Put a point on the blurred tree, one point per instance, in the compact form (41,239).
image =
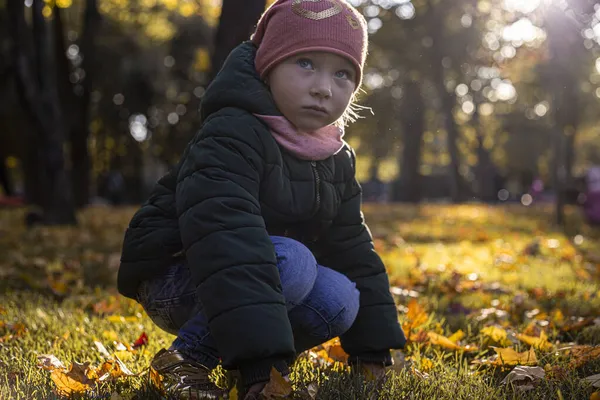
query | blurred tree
(236,23)
(36,78)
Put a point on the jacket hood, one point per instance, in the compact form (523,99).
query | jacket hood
(238,85)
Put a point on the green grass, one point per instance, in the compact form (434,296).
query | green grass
(465,265)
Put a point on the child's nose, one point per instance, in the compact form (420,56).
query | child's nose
(321,87)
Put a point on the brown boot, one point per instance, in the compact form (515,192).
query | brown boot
(183,378)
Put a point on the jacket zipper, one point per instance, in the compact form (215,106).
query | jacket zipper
(318,184)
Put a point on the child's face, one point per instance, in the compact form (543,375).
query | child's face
(313,89)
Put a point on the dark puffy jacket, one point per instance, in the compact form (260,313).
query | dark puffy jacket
(233,187)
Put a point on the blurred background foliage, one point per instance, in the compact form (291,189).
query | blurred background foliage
(466,97)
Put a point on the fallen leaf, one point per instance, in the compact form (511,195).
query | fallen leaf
(537,342)
(78,379)
(456,336)
(141,341)
(442,341)
(337,353)
(312,390)
(583,354)
(101,349)
(495,333)
(49,362)
(524,378)
(416,314)
(508,356)
(594,380)
(278,387)
(156,380)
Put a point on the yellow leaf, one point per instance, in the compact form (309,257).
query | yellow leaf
(456,336)
(67,385)
(442,341)
(337,353)
(538,343)
(416,314)
(278,387)
(78,379)
(233,393)
(497,334)
(595,396)
(509,356)
(156,380)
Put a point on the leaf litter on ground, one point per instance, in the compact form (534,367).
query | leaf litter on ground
(469,284)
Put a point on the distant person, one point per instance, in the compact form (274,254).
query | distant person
(591,205)
(253,248)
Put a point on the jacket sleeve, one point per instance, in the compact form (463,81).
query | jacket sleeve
(347,247)
(229,252)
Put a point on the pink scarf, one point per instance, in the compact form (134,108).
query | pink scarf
(312,146)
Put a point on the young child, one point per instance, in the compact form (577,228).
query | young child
(253,248)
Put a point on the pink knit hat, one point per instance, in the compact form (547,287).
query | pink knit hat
(290,27)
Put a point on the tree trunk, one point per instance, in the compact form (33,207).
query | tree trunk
(563,44)
(236,23)
(448,100)
(413,121)
(80,155)
(37,88)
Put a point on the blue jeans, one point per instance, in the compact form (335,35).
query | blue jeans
(321,303)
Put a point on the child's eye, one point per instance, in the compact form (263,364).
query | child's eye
(343,74)
(305,63)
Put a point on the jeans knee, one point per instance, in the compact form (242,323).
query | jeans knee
(350,297)
(297,269)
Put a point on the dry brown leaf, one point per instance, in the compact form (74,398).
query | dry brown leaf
(581,355)
(312,390)
(594,380)
(524,378)
(78,379)
(278,387)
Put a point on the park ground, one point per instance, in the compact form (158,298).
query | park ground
(496,303)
